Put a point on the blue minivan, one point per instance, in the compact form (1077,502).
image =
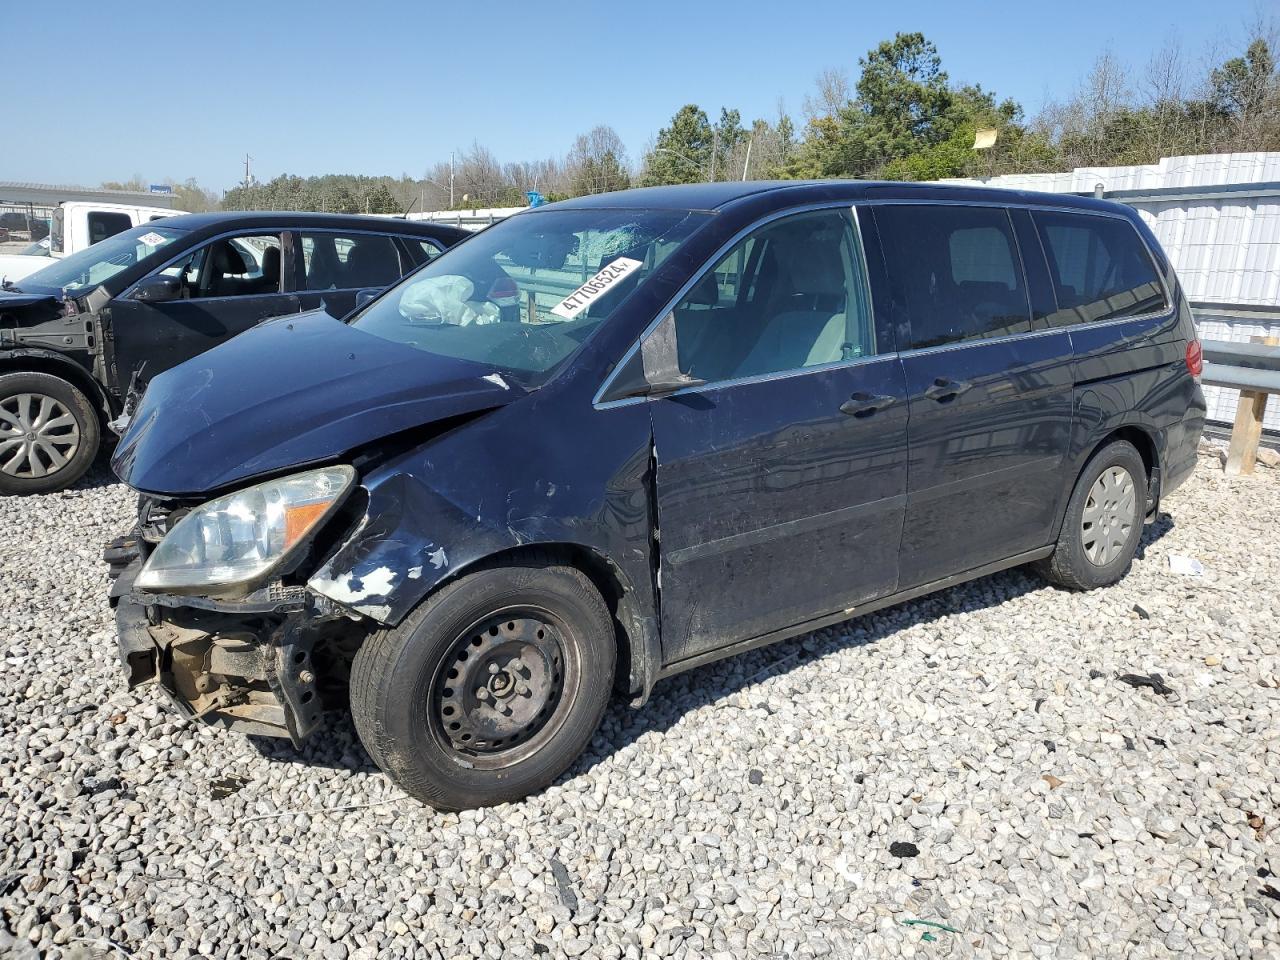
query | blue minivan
(613,438)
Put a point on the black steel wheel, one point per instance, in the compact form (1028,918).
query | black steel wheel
(491,688)
(498,694)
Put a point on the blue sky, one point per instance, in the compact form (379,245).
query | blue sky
(372,86)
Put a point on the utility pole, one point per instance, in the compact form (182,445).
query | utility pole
(248,177)
(747,166)
(715,148)
(450,179)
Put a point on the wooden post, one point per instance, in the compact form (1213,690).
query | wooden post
(1242,452)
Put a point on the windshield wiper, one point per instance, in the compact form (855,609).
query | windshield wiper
(7,285)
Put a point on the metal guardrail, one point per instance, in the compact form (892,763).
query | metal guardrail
(1254,370)
(1244,366)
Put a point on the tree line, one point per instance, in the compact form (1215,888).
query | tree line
(902,118)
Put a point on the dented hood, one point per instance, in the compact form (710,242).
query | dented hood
(11,300)
(295,390)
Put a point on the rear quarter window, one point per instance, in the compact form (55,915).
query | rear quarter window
(1099,267)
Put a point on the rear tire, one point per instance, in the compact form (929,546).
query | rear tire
(1103,522)
(49,433)
(491,688)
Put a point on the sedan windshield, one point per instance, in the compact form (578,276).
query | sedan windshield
(524,294)
(92,265)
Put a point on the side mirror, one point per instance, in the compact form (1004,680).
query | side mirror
(653,370)
(158,289)
(662,373)
(366,295)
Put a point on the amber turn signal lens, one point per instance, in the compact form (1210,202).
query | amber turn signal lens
(298,520)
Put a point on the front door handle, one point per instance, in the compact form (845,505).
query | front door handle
(944,389)
(865,404)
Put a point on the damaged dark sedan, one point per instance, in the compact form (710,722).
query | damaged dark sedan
(77,336)
(617,437)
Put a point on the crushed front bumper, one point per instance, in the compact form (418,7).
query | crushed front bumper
(244,665)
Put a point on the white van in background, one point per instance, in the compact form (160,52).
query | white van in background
(78,224)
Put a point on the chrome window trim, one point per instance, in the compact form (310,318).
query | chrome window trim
(710,264)
(1169,308)
(1042,332)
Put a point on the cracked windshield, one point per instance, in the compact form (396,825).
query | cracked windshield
(525,294)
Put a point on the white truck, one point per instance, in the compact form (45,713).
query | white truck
(78,224)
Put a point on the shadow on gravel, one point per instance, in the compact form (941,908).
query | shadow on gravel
(99,474)
(673,698)
(337,746)
(98,477)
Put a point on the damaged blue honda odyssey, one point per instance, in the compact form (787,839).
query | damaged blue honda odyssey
(613,438)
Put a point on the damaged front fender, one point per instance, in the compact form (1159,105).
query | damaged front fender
(397,554)
(423,527)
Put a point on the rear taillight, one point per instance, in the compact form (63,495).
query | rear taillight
(1195,358)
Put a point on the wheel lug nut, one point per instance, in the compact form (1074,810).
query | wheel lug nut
(482,693)
(522,689)
(493,667)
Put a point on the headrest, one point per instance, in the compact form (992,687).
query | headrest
(705,293)
(227,259)
(271,263)
(809,257)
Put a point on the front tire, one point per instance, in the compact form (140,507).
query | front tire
(49,433)
(491,688)
(1103,522)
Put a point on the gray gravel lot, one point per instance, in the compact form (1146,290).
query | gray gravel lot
(969,759)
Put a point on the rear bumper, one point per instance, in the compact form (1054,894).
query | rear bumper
(248,670)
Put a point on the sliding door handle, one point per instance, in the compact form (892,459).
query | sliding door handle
(944,389)
(865,404)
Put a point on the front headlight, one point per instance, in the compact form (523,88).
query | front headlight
(240,538)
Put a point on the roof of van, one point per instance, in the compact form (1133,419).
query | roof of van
(716,196)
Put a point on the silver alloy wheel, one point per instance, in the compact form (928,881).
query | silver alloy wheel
(38,435)
(1108,516)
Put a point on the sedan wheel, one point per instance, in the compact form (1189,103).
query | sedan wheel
(38,436)
(49,433)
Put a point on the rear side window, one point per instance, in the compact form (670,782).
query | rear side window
(333,261)
(954,271)
(1100,268)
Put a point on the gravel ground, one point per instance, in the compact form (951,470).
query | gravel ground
(970,759)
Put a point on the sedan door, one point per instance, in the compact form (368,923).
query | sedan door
(781,482)
(990,398)
(229,284)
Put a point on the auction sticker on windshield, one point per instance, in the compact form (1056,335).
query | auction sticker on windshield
(151,239)
(596,287)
